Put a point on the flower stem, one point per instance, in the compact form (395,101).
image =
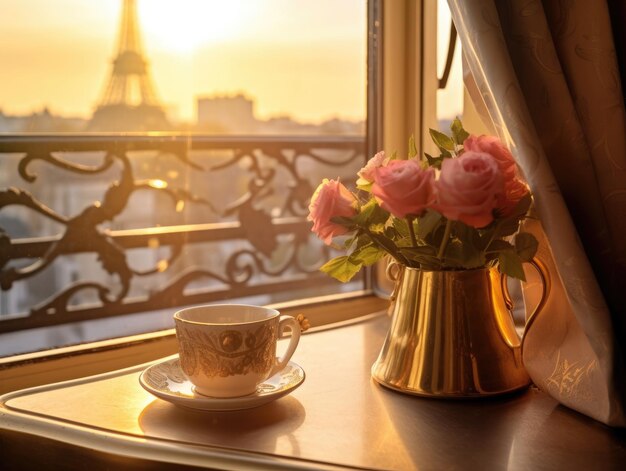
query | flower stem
(412,231)
(445,240)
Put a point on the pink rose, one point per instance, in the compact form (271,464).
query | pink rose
(467,188)
(331,199)
(367,172)
(403,188)
(514,191)
(514,188)
(493,146)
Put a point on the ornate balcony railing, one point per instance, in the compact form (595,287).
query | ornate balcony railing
(101,226)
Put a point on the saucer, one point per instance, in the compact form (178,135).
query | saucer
(167,381)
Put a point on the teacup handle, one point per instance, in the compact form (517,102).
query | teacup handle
(287,321)
(545,284)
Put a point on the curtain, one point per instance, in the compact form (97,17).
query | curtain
(547,74)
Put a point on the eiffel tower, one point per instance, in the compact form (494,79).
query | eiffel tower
(129,102)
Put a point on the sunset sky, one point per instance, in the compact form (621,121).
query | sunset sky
(302,58)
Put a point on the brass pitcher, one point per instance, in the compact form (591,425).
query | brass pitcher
(452,334)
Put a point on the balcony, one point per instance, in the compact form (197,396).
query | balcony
(94,227)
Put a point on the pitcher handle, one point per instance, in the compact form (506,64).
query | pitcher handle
(544,276)
(394,274)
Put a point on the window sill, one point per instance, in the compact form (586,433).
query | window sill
(61,364)
(338,419)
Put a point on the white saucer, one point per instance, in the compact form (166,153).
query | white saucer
(167,381)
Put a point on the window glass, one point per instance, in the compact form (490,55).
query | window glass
(238,66)
(155,154)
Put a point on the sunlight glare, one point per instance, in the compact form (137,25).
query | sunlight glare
(157,183)
(186,25)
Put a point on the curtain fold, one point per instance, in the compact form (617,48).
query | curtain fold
(617,12)
(548,75)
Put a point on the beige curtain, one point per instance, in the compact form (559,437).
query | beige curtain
(547,74)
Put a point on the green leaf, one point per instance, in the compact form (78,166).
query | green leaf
(378,228)
(522,206)
(384,243)
(510,264)
(362,240)
(367,255)
(458,133)
(379,216)
(348,243)
(434,237)
(510,225)
(412,147)
(526,246)
(463,255)
(427,223)
(473,258)
(506,227)
(476,239)
(402,227)
(453,256)
(365,185)
(366,212)
(390,232)
(499,245)
(434,162)
(471,252)
(464,232)
(341,268)
(423,254)
(371,214)
(442,141)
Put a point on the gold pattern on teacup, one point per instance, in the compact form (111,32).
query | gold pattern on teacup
(186,351)
(230,340)
(167,376)
(227,353)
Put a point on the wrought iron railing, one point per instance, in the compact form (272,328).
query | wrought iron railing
(101,226)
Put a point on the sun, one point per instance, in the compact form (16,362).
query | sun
(183,26)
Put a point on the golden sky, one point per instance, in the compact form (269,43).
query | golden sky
(296,57)
(301,58)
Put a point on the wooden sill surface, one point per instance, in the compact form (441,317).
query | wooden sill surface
(338,419)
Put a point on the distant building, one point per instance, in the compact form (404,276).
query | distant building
(234,114)
(40,121)
(226,115)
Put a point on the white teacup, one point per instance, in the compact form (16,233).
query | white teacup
(227,350)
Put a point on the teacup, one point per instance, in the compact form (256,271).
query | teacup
(227,350)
